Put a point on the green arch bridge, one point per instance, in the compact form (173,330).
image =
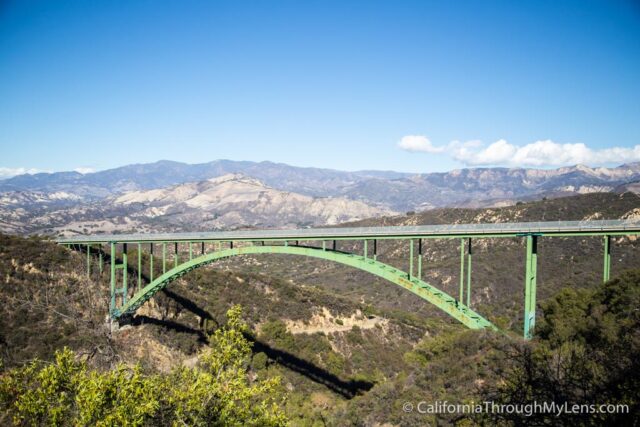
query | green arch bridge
(194,250)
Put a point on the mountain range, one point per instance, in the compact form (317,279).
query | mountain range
(225,194)
(227,202)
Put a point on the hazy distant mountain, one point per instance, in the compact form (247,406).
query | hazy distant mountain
(489,186)
(309,181)
(397,191)
(229,201)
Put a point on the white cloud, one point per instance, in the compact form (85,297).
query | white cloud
(547,153)
(419,143)
(497,153)
(537,154)
(84,170)
(6,173)
(11,172)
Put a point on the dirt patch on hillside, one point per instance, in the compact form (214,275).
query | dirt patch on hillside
(325,322)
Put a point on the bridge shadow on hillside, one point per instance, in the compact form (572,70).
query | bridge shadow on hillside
(189,305)
(141,319)
(348,389)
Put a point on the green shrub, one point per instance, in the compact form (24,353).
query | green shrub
(217,392)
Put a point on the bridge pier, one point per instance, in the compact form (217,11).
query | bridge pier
(100,260)
(138,287)
(419,259)
(117,324)
(164,258)
(530,286)
(151,262)
(461,271)
(607,259)
(375,249)
(115,291)
(469,273)
(410,259)
(175,255)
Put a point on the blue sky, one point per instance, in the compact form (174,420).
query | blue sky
(397,85)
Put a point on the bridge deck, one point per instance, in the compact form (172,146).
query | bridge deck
(549,228)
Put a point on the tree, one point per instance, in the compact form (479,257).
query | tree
(585,352)
(215,393)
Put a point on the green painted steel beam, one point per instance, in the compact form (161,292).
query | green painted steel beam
(607,259)
(462,271)
(410,259)
(139,266)
(420,259)
(487,235)
(125,273)
(100,260)
(431,294)
(530,286)
(112,256)
(175,255)
(151,261)
(375,249)
(99,240)
(469,251)
(164,258)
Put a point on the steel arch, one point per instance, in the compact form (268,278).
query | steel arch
(440,299)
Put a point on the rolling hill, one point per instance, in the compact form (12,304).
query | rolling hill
(477,187)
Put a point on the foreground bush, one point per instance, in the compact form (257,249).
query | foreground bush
(586,352)
(216,393)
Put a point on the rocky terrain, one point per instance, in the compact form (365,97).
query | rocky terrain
(226,202)
(477,187)
(235,200)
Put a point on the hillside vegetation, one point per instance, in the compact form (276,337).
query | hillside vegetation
(335,346)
